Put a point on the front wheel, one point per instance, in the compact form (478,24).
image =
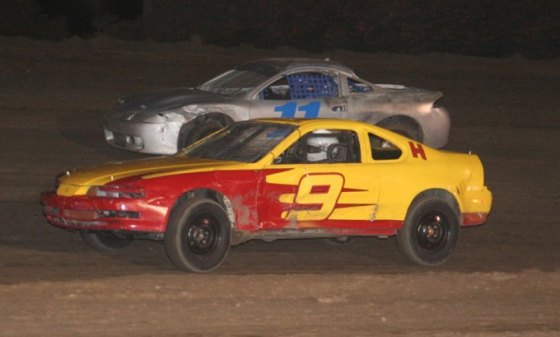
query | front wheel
(189,134)
(105,242)
(430,232)
(198,235)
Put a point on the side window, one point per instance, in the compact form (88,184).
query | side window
(357,87)
(382,149)
(278,90)
(323,146)
(312,85)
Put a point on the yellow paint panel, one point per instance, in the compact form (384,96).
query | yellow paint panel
(357,197)
(290,177)
(477,201)
(78,182)
(68,190)
(287,198)
(354,213)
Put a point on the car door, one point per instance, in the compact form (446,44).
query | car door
(319,182)
(310,94)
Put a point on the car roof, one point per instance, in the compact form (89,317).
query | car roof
(322,122)
(279,64)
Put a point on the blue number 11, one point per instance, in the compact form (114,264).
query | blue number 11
(310,110)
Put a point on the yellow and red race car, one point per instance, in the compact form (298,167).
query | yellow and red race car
(272,179)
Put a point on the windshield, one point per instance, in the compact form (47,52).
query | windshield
(245,142)
(239,80)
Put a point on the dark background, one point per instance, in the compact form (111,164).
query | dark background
(484,28)
(496,28)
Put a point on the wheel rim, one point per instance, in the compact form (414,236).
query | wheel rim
(202,235)
(432,231)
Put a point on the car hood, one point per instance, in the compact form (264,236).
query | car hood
(78,182)
(149,103)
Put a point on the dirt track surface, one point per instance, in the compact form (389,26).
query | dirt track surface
(503,280)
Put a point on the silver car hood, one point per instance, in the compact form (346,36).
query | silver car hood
(167,99)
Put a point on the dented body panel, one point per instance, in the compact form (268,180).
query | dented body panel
(270,191)
(272,88)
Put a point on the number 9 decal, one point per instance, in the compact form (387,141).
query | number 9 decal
(316,197)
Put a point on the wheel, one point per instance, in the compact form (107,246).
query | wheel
(430,232)
(189,134)
(403,127)
(105,242)
(198,235)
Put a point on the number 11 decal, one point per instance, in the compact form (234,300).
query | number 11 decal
(289,109)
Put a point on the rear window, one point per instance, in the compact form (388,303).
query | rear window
(382,149)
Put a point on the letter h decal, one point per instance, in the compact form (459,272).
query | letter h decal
(417,150)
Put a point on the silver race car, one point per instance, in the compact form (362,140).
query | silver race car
(165,121)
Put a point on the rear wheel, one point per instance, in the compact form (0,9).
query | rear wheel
(430,232)
(403,127)
(198,235)
(105,242)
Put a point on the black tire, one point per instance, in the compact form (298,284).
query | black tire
(430,232)
(105,242)
(404,128)
(198,235)
(192,133)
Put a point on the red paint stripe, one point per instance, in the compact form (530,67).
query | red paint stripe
(473,219)
(348,227)
(351,205)
(316,189)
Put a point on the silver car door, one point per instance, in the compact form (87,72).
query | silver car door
(301,95)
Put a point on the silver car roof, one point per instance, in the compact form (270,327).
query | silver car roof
(272,66)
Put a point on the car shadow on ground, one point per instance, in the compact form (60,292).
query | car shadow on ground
(42,258)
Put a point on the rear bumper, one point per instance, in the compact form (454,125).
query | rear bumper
(89,213)
(476,206)
(473,219)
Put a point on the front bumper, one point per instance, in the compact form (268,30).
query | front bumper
(106,214)
(143,137)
